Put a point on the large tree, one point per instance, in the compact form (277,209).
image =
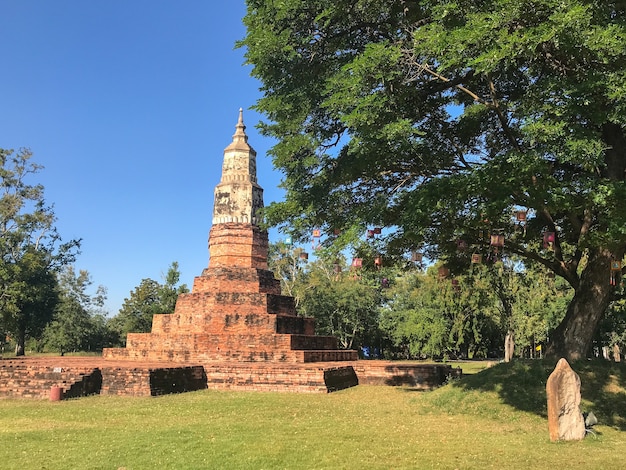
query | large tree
(31,250)
(439,119)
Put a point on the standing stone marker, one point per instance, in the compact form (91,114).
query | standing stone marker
(565,421)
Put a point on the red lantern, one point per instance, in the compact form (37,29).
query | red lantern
(304,255)
(416,257)
(477,258)
(317,233)
(377,230)
(357,262)
(548,240)
(520,216)
(370,234)
(497,240)
(616,271)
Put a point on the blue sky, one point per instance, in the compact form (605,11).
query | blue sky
(129,104)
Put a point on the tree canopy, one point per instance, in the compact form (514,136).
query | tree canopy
(79,322)
(31,250)
(455,120)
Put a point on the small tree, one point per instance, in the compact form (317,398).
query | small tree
(75,321)
(344,304)
(146,300)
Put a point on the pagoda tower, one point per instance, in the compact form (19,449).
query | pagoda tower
(235,313)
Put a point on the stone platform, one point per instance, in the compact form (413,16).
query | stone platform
(82,376)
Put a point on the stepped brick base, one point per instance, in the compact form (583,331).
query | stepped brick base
(235,312)
(420,376)
(81,376)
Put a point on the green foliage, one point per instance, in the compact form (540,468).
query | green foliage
(439,119)
(79,324)
(345,303)
(30,250)
(147,299)
(428,316)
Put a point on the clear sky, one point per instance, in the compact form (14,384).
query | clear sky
(129,104)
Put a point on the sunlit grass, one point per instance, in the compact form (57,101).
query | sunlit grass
(492,419)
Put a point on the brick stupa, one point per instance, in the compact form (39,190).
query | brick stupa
(235,322)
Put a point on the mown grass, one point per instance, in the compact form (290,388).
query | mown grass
(491,419)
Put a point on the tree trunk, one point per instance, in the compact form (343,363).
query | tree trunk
(573,337)
(509,346)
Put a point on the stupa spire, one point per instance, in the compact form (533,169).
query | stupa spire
(238,197)
(240,129)
(240,139)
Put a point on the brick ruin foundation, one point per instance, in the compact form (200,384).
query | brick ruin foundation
(234,330)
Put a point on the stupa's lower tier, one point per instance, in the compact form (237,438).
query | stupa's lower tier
(232,314)
(206,348)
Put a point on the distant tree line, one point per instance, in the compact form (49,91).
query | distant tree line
(403,309)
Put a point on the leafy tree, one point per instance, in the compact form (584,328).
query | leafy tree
(286,263)
(439,119)
(169,291)
(539,303)
(147,299)
(77,318)
(30,250)
(429,315)
(345,305)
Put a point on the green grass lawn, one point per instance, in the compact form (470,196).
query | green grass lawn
(491,419)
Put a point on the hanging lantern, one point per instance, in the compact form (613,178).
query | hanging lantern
(304,255)
(548,240)
(288,241)
(337,268)
(461,245)
(357,262)
(477,258)
(520,216)
(317,233)
(455,285)
(369,234)
(378,262)
(497,240)
(416,257)
(384,282)
(377,230)
(443,272)
(616,271)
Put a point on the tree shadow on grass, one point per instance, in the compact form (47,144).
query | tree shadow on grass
(522,385)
